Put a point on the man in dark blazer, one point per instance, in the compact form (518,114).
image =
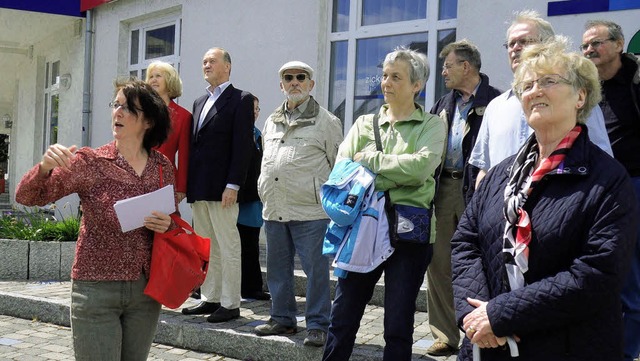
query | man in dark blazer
(218,163)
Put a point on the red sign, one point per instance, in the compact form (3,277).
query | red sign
(90,4)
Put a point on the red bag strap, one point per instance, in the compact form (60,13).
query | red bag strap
(176,218)
(181,222)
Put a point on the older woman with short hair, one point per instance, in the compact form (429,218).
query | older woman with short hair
(541,251)
(412,142)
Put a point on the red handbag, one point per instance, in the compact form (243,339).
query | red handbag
(179,261)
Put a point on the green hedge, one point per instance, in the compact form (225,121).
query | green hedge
(35,224)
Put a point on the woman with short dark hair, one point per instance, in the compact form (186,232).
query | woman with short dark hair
(111,317)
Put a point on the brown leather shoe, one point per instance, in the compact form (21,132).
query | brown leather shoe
(273,328)
(201,308)
(315,338)
(224,315)
(440,348)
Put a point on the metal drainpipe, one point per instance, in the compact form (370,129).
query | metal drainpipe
(86,87)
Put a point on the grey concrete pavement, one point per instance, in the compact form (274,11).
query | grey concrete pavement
(32,340)
(49,302)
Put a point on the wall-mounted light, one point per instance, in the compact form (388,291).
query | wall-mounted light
(6,119)
(65,81)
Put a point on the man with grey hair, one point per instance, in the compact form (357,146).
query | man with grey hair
(218,164)
(504,128)
(463,109)
(619,72)
(301,141)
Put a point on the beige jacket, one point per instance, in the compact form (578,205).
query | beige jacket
(298,157)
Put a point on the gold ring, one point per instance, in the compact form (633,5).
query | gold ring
(471,329)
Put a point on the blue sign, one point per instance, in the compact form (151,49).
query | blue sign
(66,7)
(555,8)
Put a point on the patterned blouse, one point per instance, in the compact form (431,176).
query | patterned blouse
(101,177)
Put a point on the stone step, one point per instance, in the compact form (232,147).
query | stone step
(49,302)
(378,294)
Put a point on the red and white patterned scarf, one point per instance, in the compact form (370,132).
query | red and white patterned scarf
(522,180)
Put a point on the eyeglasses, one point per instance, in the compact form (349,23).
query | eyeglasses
(449,66)
(522,42)
(124,107)
(301,77)
(544,82)
(594,44)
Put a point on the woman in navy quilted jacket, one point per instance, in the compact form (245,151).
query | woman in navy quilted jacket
(540,255)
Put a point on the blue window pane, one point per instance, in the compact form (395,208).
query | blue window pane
(385,11)
(338,81)
(135,45)
(340,18)
(160,42)
(448,9)
(444,37)
(370,54)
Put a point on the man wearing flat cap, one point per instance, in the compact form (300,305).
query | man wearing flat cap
(301,141)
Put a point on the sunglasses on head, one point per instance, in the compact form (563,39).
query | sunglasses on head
(300,77)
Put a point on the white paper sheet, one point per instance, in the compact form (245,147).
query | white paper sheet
(132,211)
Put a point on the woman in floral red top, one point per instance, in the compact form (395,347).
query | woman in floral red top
(111,318)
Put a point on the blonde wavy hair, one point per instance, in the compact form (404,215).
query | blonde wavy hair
(171,77)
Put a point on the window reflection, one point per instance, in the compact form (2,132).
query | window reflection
(160,42)
(370,54)
(448,9)
(135,40)
(340,21)
(385,11)
(338,81)
(444,37)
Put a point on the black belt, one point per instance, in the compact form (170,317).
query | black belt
(454,174)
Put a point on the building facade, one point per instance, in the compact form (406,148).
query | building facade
(50,98)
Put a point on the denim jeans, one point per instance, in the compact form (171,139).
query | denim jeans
(403,275)
(112,320)
(631,296)
(284,240)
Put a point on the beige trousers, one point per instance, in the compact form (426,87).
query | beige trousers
(224,276)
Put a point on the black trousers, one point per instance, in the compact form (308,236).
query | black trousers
(251,272)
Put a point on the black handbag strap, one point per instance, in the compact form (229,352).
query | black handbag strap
(376,132)
(387,198)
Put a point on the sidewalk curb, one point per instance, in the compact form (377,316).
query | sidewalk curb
(178,331)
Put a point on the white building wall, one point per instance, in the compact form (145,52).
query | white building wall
(259,35)
(485,24)
(66,45)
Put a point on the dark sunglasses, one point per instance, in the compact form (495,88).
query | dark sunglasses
(300,77)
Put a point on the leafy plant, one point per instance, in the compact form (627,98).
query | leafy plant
(36,224)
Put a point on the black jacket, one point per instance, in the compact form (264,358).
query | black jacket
(221,149)
(445,109)
(249,192)
(583,233)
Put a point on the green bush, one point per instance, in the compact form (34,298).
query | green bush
(35,224)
